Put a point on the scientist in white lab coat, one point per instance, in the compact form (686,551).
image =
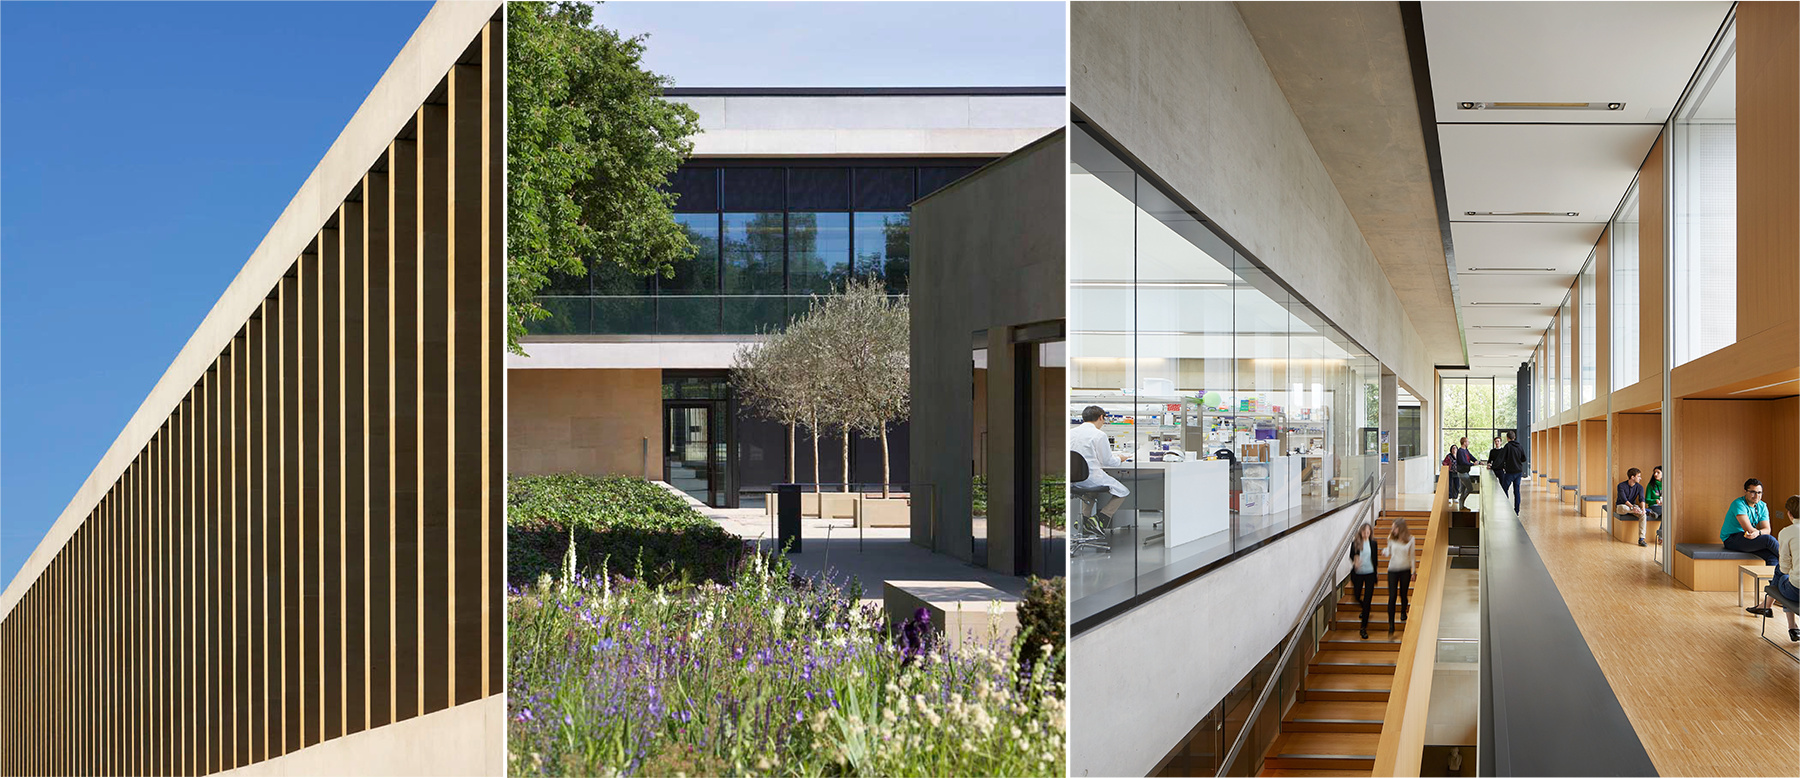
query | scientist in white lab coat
(1090,442)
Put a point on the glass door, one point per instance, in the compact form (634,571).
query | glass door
(690,457)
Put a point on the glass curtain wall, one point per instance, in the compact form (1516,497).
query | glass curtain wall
(1237,411)
(1704,185)
(1589,344)
(1624,316)
(1479,408)
(766,236)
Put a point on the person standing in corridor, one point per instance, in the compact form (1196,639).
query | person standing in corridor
(1399,552)
(1510,468)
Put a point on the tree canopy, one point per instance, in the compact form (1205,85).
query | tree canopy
(590,145)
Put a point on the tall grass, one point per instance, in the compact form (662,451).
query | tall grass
(773,675)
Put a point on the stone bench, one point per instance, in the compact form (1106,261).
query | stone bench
(1625,529)
(1708,567)
(1593,506)
(960,610)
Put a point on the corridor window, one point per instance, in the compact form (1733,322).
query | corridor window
(1624,316)
(1589,341)
(1704,268)
(1565,325)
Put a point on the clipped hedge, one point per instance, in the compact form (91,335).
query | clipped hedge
(628,524)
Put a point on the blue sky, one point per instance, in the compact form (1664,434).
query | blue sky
(145,149)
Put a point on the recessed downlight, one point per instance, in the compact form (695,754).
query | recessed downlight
(1499,326)
(1515,305)
(1504,105)
(1498,343)
(1510,270)
(1521,213)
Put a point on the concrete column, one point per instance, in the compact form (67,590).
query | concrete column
(1002,462)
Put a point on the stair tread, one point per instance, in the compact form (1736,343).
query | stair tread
(1328,657)
(1376,637)
(1337,710)
(1348,745)
(1276,772)
(1348,682)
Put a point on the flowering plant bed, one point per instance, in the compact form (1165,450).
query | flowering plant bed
(773,674)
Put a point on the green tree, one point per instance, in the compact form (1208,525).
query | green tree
(590,145)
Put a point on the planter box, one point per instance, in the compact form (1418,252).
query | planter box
(961,610)
(892,512)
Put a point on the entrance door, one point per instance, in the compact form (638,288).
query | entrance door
(691,461)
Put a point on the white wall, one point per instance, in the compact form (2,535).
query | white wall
(1140,682)
(629,353)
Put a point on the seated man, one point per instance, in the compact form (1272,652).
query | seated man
(1746,529)
(1088,440)
(1628,500)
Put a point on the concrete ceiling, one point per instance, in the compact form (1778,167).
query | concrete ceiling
(1639,53)
(1345,71)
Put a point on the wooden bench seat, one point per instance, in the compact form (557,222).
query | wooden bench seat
(1624,528)
(1593,506)
(1708,567)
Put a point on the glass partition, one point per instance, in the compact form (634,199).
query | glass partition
(1589,321)
(1624,316)
(1233,410)
(1704,186)
(1480,408)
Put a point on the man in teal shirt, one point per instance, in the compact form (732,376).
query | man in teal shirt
(1746,529)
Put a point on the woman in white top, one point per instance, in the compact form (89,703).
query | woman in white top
(1788,563)
(1362,571)
(1399,551)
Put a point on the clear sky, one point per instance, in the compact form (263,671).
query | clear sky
(146,148)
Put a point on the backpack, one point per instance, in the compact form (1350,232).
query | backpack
(1463,460)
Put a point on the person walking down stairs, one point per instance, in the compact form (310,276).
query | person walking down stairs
(1362,572)
(1399,551)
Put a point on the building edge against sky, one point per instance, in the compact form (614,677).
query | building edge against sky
(431,127)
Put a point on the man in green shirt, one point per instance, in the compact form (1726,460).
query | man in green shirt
(1746,529)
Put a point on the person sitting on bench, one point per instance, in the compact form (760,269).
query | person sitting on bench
(1628,500)
(1785,564)
(1746,530)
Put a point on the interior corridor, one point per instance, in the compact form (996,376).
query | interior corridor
(1706,696)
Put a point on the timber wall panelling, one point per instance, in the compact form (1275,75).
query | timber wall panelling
(310,545)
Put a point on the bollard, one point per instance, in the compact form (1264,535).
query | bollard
(787,522)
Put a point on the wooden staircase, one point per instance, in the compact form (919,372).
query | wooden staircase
(1334,724)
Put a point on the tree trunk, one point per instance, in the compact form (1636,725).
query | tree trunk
(791,452)
(846,489)
(817,487)
(886,477)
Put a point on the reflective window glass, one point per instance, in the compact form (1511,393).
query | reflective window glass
(752,247)
(1623,320)
(1589,321)
(1704,188)
(818,252)
(883,247)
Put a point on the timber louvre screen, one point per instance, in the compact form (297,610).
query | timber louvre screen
(311,544)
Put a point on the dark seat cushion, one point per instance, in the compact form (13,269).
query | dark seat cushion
(1088,489)
(1593,498)
(1786,604)
(1711,551)
(1570,487)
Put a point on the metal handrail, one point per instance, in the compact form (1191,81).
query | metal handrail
(1375,486)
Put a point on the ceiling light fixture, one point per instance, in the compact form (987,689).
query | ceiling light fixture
(1483,105)
(1498,343)
(1521,213)
(1516,305)
(1500,326)
(1150,284)
(1510,270)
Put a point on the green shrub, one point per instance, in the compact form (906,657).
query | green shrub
(1043,624)
(978,496)
(627,524)
(1053,500)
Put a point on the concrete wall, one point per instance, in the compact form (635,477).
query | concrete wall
(871,125)
(628,351)
(584,421)
(1143,680)
(1183,87)
(988,254)
(468,739)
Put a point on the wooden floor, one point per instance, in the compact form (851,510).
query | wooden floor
(1706,696)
